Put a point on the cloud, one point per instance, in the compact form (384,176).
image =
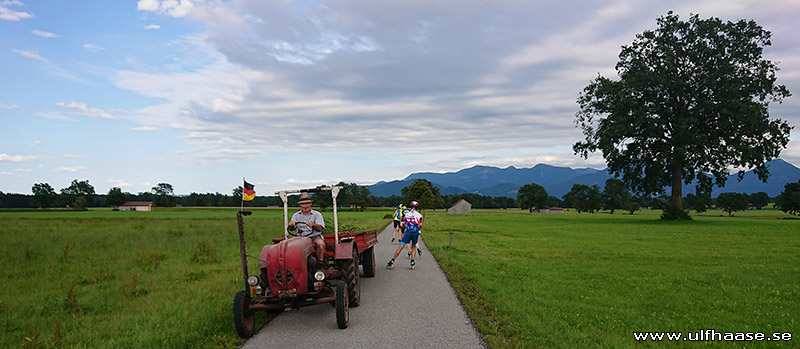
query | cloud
(491,82)
(3,106)
(174,8)
(17,158)
(30,54)
(11,15)
(119,183)
(80,108)
(93,47)
(145,129)
(152,27)
(69,169)
(45,34)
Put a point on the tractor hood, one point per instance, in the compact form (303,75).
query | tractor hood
(287,266)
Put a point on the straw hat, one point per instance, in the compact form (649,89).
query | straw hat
(304,198)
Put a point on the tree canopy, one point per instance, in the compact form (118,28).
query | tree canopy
(789,200)
(691,102)
(424,192)
(732,202)
(532,195)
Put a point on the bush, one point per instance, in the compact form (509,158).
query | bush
(672,213)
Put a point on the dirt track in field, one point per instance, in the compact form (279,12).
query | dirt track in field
(399,308)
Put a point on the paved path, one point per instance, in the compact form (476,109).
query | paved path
(400,308)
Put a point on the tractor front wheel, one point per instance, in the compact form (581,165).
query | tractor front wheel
(243,318)
(342,305)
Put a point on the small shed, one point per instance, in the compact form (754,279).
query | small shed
(461,206)
(136,206)
(547,210)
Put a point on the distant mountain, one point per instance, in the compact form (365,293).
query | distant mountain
(494,181)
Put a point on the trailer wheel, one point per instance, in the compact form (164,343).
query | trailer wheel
(368,261)
(243,318)
(350,273)
(342,305)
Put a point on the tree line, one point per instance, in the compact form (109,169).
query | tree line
(583,198)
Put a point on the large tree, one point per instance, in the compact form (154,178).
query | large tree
(691,101)
(532,195)
(424,192)
(43,195)
(789,200)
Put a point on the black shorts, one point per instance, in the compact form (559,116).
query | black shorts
(397,224)
(315,237)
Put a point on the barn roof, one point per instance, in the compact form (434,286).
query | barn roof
(459,201)
(138,203)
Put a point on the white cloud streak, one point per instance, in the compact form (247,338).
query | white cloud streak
(81,108)
(45,34)
(17,158)
(30,54)
(3,106)
(10,15)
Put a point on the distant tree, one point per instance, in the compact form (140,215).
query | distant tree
(43,195)
(79,203)
(632,205)
(115,197)
(692,100)
(732,202)
(79,188)
(76,189)
(584,198)
(615,195)
(759,199)
(359,196)
(324,199)
(423,192)
(237,192)
(163,194)
(531,196)
(789,200)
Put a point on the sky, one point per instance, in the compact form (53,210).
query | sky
(294,94)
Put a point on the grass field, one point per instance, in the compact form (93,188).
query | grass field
(109,279)
(166,278)
(591,280)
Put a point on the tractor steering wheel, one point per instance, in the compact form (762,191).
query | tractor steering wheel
(295,232)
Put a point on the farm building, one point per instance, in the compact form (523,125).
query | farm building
(461,206)
(136,206)
(547,210)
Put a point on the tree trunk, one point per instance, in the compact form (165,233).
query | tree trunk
(677,187)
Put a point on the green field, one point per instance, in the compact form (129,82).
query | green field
(166,278)
(588,280)
(102,278)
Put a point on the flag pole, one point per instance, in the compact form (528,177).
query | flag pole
(242,208)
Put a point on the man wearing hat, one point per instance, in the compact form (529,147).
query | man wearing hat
(309,223)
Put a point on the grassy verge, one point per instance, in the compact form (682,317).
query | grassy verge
(102,278)
(539,280)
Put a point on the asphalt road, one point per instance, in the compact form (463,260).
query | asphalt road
(399,307)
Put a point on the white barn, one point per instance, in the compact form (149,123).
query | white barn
(136,206)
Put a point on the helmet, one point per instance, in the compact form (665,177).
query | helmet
(400,206)
(414,204)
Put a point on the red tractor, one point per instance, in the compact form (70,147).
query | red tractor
(290,276)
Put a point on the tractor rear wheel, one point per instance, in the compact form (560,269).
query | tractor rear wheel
(350,273)
(243,318)
(368,262)
(342,305)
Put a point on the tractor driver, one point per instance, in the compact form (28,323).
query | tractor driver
(309,223)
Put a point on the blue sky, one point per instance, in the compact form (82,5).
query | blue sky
(295,94)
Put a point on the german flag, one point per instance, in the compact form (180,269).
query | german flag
(248,193)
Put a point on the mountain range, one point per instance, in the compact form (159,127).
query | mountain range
(495,181)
